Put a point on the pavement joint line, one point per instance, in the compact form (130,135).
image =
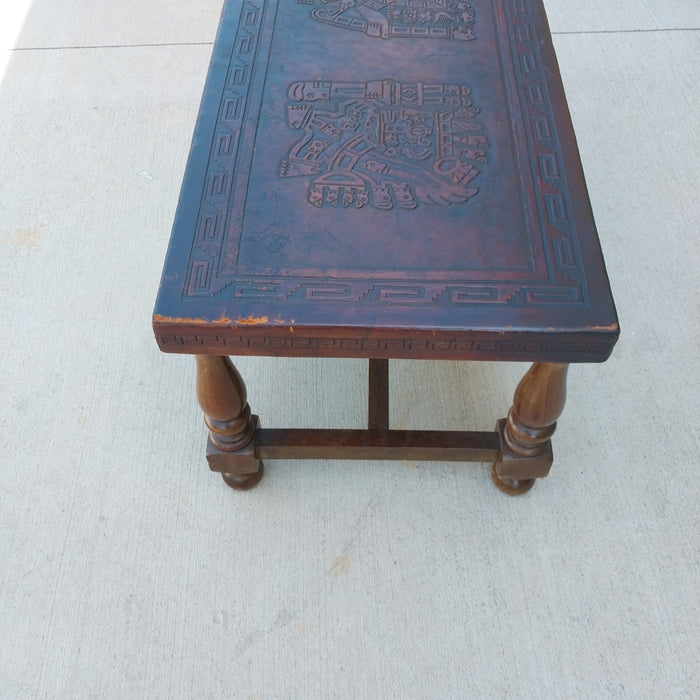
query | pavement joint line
(211,43)
(631,31)
(111,46)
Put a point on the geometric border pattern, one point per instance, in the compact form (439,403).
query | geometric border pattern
(581,350)
(218,220)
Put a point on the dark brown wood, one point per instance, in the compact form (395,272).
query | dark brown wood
(450,446)
(378,394)
(526,449)
(222,396)
(384,182)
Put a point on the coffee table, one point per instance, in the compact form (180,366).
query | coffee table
(384,179)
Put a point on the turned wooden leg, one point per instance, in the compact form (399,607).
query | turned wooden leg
(526,448)
(222,395)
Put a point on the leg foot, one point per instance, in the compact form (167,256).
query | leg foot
(243,483)
(513,487)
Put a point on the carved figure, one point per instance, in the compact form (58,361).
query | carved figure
(434,19)
(385,143)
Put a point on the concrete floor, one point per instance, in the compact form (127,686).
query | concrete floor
(128,570)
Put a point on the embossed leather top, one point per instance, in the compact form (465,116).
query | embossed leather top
(389,178)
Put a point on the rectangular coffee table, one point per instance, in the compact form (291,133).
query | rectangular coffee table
(384,179)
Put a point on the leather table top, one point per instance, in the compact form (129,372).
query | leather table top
(385,179)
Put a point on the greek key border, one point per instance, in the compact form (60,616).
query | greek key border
(218,212)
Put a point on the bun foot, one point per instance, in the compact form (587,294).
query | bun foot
(513,487)
(243,483)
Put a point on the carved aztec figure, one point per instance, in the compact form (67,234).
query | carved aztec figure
(434,19)
(385,143)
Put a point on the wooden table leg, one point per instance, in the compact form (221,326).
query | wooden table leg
(378,395)
(222,395)
(526,448)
